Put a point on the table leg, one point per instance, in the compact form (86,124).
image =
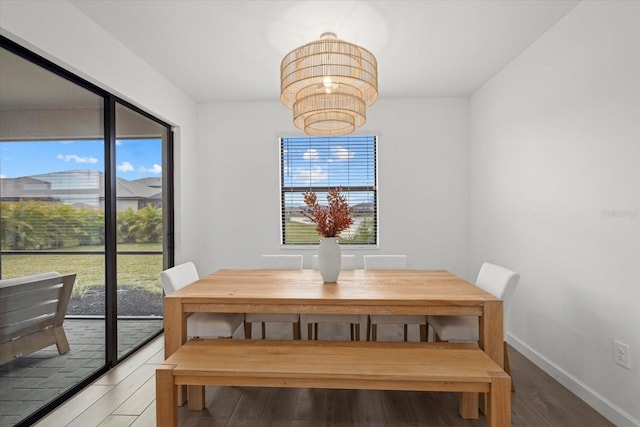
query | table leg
(491,331)
(175,334)
(491,339)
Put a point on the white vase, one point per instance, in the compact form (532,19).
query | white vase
(329,259)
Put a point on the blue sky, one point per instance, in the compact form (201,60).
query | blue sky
(135,158)
(328,162)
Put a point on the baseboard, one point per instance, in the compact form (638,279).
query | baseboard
(598,402)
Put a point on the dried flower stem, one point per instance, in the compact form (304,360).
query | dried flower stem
(330,220)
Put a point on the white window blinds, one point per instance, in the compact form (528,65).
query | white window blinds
(318,165)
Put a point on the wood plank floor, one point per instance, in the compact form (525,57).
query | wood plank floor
(126,397)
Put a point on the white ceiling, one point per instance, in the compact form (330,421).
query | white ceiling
(231,50)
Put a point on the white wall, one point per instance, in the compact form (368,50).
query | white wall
(58,31)
(423,182)
(555,195)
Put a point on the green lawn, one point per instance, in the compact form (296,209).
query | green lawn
(140,271)
(301,233)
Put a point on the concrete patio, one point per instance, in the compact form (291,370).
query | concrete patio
(31,381)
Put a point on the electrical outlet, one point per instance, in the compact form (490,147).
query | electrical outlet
(622,354)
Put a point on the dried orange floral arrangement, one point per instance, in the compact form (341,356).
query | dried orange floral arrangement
(331,220)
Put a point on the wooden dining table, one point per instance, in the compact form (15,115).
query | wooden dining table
(428,292)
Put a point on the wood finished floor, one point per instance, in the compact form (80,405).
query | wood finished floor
(126,397)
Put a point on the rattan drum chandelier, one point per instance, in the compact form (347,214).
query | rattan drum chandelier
(329,83)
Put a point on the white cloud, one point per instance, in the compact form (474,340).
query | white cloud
(309,176)
(125,167)
(341,153)
(156,168)
(76,158)
(311,154)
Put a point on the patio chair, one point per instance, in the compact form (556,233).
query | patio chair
(32,310)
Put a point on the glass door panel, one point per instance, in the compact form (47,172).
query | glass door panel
(52,219)
(140,226)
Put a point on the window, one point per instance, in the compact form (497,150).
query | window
(321,164)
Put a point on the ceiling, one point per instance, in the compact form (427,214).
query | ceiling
(231,50)
(217,50)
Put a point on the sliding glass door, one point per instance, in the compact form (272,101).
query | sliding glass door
(139,224)
(85,188)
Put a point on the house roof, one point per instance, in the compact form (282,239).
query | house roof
(74,183)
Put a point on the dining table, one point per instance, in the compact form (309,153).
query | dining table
(364,292)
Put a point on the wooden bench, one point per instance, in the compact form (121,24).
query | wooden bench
(340,365)
(32,310)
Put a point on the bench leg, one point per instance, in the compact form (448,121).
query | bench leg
(499,400)
(247,330)
(196,397)
(468,406)
(166,398)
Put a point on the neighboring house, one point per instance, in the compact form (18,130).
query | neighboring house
(133,194)
(153,182)
(81,188)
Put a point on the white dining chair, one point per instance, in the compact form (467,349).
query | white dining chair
(392,262)
(498,281)
(353,320)
(276,262)
(200,325)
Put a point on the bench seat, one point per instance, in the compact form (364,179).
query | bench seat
(328,364)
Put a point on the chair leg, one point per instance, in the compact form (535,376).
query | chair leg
(309,331)
(368,328)
(507,367)
(406,332)
(356,327)
(296,330)
(374,332)
(423,333)
(263,329)
(315,331)
(351,331)
(247,330)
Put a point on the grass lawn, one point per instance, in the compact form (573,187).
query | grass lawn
(303,233)
(141,271)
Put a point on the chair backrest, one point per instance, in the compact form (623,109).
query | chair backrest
(501,283)
(178,277)
(282,262)
(348,262)
(385,262)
